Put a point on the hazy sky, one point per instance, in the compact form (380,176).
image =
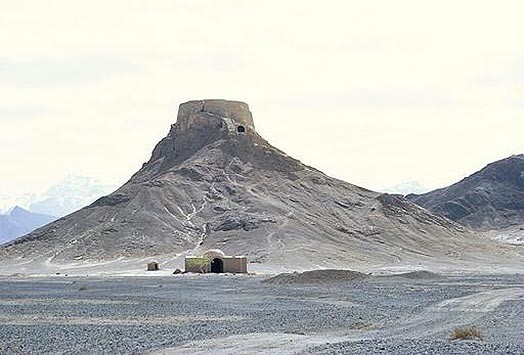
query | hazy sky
(372,92)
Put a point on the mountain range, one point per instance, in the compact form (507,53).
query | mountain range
(406,188)
(66,196)
(214,182)
(22,214)
(19,221)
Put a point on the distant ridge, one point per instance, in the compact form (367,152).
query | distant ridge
(18,222)
(60,199)
(492,198)
(406,188)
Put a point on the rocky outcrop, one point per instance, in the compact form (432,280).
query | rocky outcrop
(218,125)
(492,198)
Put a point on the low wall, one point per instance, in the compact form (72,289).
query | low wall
(232,264)
(197,264)
(235,264)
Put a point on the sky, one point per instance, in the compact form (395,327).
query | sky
(376,93)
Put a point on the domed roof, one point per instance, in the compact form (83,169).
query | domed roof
(214,253)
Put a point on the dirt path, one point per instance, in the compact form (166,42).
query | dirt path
(253,343)
(443,317)
(437,321)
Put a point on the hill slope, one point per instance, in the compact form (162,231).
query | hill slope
(492,198)
(213,182)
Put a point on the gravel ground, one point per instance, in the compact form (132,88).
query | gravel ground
(408,346)
(393,315)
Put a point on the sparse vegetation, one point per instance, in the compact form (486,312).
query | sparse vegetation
(364,326)
(466,333)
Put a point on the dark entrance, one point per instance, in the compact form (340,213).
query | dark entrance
(241,129)
(217,265)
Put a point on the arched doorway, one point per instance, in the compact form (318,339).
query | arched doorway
(217,265)
(241,129)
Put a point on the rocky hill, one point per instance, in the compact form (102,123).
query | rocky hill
(492,198)
(214,182)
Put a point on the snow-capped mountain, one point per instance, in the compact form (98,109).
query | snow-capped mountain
(406,188)
(63,198)
(69,195)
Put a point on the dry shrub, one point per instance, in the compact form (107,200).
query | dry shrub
(466,333)
(364,326)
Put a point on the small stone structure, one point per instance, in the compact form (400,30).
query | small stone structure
(215,261)
(152,266)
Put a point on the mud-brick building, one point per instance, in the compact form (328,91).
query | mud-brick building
(216,261)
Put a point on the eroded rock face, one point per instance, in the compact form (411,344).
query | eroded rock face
(492,198)
(200,123)
(226,129)
(210,185)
